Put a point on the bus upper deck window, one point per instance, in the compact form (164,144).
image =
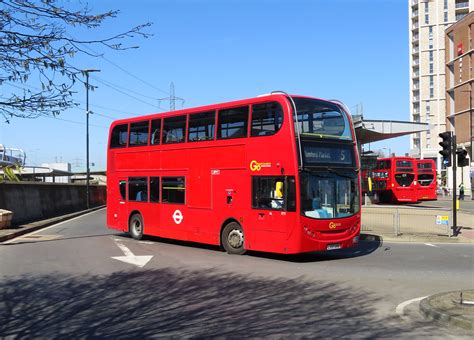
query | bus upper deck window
(119,136)
(174,130)
(138,134)
(155,132)
(233,123)
(266,119)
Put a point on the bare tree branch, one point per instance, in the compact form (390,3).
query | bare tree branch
(34,43)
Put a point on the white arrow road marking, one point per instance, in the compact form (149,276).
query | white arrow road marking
(400,308)
(430,244)
(139,261)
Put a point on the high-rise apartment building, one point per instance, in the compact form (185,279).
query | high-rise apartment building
(428,20)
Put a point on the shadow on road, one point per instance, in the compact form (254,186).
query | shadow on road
(181,303)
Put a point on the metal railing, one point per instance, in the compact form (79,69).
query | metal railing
(398,221)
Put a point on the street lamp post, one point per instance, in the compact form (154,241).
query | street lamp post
(86,72)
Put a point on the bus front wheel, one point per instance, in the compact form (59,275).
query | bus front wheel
(232,239)
(135,226)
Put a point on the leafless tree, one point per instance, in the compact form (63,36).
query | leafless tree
(35,44)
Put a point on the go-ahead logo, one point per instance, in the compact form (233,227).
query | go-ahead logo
(333,225)
(256,166)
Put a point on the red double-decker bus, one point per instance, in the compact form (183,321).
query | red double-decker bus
(426,179)
(395,180)
(276,173)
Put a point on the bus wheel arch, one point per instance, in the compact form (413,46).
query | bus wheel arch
(232,237)
(136,225)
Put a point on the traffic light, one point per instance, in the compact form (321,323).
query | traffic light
(446,144)
(462,158)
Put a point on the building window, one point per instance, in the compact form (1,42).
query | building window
(138,134)
(233,123)
(431,68)
(428,107)
(138,189)
(173,190)
(154,189)
(174,129)
(427,19)
(431,92)
(201,126)
(431,81)
(119,136)
(459,16)
(266,119)
(445,5)
(445,16)
(431,56)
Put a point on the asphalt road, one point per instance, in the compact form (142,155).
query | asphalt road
(64,281)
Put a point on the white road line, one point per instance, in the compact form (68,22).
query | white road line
(400,308)
(129,257)
(53,226)
(123,248)
(430,244)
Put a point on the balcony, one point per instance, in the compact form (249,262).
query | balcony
(416,74)
(415,37)
(415,50)
(414,2)
(416,86)
(416,62)
(416,98)
(414,14)
(415,26)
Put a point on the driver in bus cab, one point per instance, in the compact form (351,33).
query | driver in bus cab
(277,201)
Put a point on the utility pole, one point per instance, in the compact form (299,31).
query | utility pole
(86,72)
(172,98)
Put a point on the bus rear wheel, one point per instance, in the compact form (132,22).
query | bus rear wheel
(232,239)
(135,226)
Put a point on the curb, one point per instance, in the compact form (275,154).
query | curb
(443,316)
(412,238)
(34,226)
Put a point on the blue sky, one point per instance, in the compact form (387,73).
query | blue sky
(215,51)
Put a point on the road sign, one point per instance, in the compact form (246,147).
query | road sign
(442,220)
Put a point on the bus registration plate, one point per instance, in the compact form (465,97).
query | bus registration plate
(333,246)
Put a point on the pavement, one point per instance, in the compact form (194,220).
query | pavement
(444,308)
(19,230)
(451,308)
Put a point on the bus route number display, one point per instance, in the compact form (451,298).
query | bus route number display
(327,155)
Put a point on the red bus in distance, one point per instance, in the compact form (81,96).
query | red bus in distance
(426,179)
(276,173)
(395,180)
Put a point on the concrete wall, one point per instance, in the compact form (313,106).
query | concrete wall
(36,201)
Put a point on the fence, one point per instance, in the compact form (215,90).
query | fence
(397,221)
